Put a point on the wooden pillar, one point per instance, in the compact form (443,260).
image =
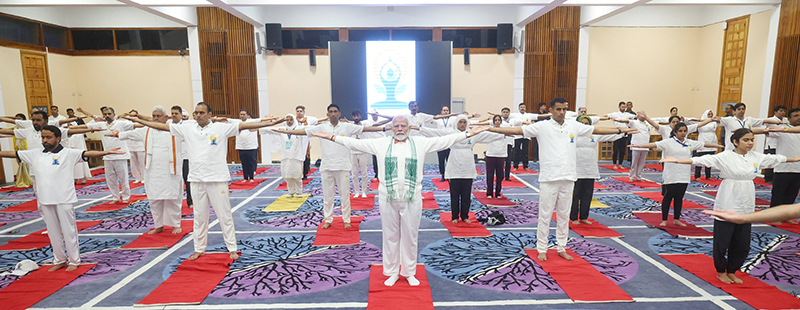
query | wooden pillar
(786,73)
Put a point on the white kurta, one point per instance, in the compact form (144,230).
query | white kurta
(731,123)
(118,125)
(672,147)
(557,151)
(163,171)
(737,191)
(293,151)
(461,162)
(587,154)
(707,134)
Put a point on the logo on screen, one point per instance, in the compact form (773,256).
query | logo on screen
(390,75)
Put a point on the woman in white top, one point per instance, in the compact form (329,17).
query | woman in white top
(705,134)
(587,171)
(738,167)
(675,177)
(293,153)
(460,170)
(496,154)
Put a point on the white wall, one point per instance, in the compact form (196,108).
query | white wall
(679,16)
(92,16)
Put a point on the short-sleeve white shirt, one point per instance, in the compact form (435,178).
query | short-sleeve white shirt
(207,148)
(557,149)
(54,174)
(335,157)
(113,142)
(672,147)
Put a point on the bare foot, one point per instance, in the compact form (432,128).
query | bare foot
(564,255)
(663,223)
(679,223)
(234,255)
(72,267)
(191,206)
(326,226)
(347,225)
(724,278)
(467,221)
(576,222)
(777,223)
(58,266)
(542,257)
(158,230)
(196,255)
(735,279)
(455,221)
(176,230)
(586,222)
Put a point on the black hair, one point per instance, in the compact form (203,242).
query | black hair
(411,102)
(740,104)
(521,103)
(22,116)
(496,116)
(300,107)
(177,107)
(673,117)
(54,106)
(678,126)
(505,109)
(622,103)
(356,112)
(245,111)
(542,104)
(53,129)
(333,105)
(673,108)
(795,110)
(738,134)
(208,107)
(40,112)
(107,108)
(557,100)
(778,108)
(70,109)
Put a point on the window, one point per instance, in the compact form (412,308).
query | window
(93,39)
(152,39)
(369,35)
(309,39)
(55,37)
(471,38)
(17,30)
(412,35)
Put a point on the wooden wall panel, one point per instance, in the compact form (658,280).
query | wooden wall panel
(734,50)
(786,72)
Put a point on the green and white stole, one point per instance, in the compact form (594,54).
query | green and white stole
(390,173)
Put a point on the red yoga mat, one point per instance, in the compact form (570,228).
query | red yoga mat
(37,285)
(656,196)
(594,230)
(89,182)
(523,171)
(759,201)
(108,206)
(428,202)
(400,296)
(11,189)
(131,184)
(192,282)
(337,234)
(501,201)
(23,207)
(795,228)
(598,186)
(363,203)
(515,183)
(642,184)
(98,171)
(373,184)
(310,171)
(577,275)
(752,292)
(761,181)
(283,186)
(655,167)
(714,182)
(621,170)
(39,239)
(445,186)
(185,208)
(689,231)
(160,241)
(259,170)
(463,230)
(242,185)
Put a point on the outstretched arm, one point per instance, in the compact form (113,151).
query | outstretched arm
(508,130)
(644,146)
(440,116)
(714,145)
(704,122)
(774,214)
(151,124)
(301,132)
(612,130)
(7,119)
(75,131)
(772,121)
(8,154)
(687,161)
(256,125)
(7,131)
(785,129)
(102,153)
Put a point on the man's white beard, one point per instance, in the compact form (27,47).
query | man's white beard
(400,136)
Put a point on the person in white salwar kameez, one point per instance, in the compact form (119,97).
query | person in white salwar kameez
(587,171)
(115,166)
(163,171)
(293,152)
(738,167)
(400,191)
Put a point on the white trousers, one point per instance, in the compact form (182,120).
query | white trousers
(137,165)
(62,230)
(294,185)
(216,195)
(330,181)
(116,174)
(166,212)
(400,225)
(637,163)
(554,195)
(359,164)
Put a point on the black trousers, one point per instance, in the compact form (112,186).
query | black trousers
(521,152)
(249,160)
(581,199)
(443,155)
(375,166)
(619,148)
(189,200)
(306,167)
(630,152)
(769,173)
(672,192)
(699,169)
(494,175)
(509,150)
(460,198)
(731,245)
(785,186)
(535,149)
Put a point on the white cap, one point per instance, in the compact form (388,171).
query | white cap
(24,267)
(185,113)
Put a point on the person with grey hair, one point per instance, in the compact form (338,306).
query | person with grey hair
(115,165)
(162,171)
(400,190)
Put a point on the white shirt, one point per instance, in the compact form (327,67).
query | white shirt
(707,134)
(246,139)
(789,146)
(117,125)
(587,154)
(526,117)
(557,148)
(183,143)
(136,145)
(737,191)
(445,122)
(335,157)
(54,120)
(307,121)
(511,122)
(207,148)
(665,130)
(672,147)
(731,123)
(772,141)
(498,147)
(163,164)
(32,137)
(419,120)
(370,134)
(643,137)
(461,162)
(290,146)
(54,171)
(620,115)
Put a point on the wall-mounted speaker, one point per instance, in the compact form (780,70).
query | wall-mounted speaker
(274,39)
(505,37)
(466,56)
(312,58)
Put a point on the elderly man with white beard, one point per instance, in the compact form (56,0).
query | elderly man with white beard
(400,158)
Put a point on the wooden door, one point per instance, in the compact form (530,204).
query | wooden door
(37,81)
(733,54)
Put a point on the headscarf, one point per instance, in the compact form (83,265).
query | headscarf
(580,118)
(458,119)
(705,114)
(294,124)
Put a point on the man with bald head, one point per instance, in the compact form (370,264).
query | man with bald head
(400,158)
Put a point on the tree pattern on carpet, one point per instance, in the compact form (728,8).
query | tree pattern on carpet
(623,206)
(526,212)
(135,208)
(444,206)
(309,215)
(11,217)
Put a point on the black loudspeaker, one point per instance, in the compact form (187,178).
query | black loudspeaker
(505,37)
(466,56)
(312,58)
(274,38)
